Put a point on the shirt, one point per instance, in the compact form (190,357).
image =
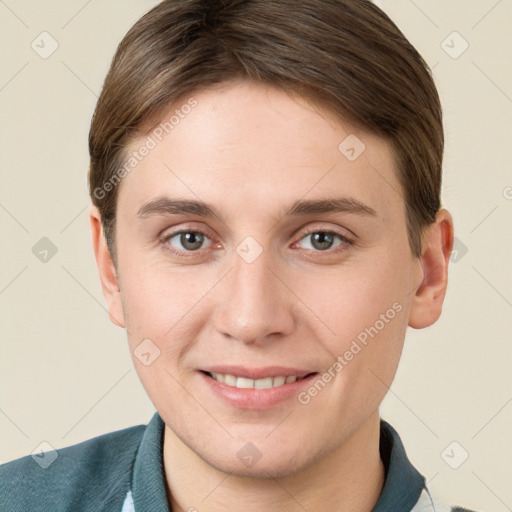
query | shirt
(123,471)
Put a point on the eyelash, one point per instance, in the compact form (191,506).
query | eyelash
(185,254)
(346,241)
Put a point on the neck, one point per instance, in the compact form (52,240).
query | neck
(350,478)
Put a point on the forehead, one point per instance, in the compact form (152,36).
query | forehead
(249,143)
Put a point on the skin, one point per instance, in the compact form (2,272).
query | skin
(250,151)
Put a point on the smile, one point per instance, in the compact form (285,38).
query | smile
(256,389)
(244,383)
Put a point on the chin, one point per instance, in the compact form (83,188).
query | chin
(276,465)
(260,470)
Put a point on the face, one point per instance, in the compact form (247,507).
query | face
(294,262)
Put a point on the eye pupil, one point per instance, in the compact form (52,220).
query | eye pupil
(322,241)
(191,240)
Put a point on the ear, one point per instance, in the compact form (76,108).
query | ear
(106,269)
(437,244)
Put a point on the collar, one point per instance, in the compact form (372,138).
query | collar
(148,481)
(404,484)
(402,487)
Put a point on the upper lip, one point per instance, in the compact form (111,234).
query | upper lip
(258,373)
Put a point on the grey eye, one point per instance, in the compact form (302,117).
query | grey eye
(189,240)
(322,240)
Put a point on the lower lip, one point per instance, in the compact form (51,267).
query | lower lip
(256,399)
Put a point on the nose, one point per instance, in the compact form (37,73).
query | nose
(255,306)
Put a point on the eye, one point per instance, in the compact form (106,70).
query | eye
(322,241)
(186,241)
(189,242)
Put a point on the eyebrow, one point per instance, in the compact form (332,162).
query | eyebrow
(168,206)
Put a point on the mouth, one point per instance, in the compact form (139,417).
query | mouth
(263,383)
(255,389)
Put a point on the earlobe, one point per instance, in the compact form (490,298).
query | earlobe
(437,246)
(106,269)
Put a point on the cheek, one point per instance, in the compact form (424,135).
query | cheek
(346,300)
(162,324)
(163,305)
(154,295)
(361,316)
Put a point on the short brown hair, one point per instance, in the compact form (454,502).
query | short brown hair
(345,55)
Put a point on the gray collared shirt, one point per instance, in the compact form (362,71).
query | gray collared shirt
(123,471)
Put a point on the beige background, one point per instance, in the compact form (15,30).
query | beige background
(66,374)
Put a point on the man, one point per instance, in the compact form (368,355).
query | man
(266,221)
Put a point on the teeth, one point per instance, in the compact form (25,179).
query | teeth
(279,381)
(230,380)
(243,383)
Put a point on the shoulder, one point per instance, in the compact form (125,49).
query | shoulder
(431,501)
(90,475)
